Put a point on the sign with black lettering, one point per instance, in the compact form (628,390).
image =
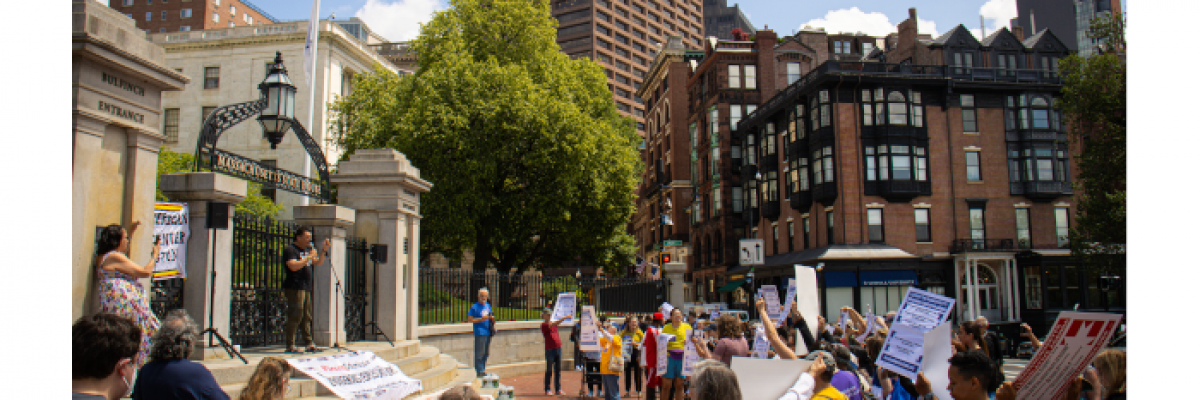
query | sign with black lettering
(171,231)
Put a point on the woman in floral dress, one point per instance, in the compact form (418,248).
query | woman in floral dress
(120,292)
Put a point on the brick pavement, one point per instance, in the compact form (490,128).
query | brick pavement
(531,386)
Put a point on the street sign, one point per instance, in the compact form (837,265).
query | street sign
(669,243)
(750,252)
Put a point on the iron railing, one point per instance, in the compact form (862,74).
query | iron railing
(258,308)
(166,295)
(355,291)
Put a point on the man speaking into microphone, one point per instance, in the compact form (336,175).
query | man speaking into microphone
(298,262)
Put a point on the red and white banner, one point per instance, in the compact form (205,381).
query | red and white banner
(1074,341)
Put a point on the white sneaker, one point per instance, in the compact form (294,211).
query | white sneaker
(549,393)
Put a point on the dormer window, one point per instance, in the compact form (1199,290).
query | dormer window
(964,61)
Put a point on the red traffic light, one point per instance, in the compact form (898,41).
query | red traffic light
(665,257)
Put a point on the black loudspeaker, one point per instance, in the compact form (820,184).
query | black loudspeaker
(379,253)
(218,215)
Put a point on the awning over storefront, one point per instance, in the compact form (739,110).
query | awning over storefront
(811,257)
(887,278)
(731,286)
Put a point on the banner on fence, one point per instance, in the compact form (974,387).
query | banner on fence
(564,308)
(171,231)
(1073,342)
(359,374)
(588,340)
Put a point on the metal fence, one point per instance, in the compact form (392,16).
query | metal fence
(355,291)
(258,308)
(166,295)
(446,295)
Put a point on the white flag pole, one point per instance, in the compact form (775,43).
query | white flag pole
(310,71)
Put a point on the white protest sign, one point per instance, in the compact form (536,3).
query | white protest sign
(903,351)
(842,320)
(359,374)
(1074,341)
(690,355)
(662,340)
(862,339)
(789,299)
(171,231)
(761,346)
(770,295)
(936,362)
(564,307)
(808,299)
(588,340)
(766,378)
(923,310)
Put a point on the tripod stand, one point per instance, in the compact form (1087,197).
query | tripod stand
(374,306)
(212,293)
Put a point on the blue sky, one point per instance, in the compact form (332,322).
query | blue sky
(398,19)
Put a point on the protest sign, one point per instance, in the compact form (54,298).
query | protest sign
(761,345)
(662,340)
(870,328)
(588,340)
(358,374)
(842,321)
(770,295)
(171,231)
(936,362)
(767,379)
(666,310)
(1074,341)
(564,307)
(690,355)
(808,299)
(789,299)
(903,351)
(923,310)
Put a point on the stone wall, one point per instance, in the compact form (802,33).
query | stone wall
(517,342)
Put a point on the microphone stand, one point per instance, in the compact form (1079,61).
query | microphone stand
(212,293)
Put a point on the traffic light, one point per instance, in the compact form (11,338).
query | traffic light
(665,257)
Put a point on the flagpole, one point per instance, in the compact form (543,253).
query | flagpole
(310,58)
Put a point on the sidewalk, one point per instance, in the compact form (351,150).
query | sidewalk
(532,386)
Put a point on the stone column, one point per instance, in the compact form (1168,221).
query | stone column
(384,189)
(207,250)
(673,273)
(329,289)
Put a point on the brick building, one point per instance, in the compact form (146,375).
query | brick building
(946,168)
(157,16)
(623,36)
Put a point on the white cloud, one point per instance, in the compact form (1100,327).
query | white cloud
(398,20)
(855,20)
(998,13)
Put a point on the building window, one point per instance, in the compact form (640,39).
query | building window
(978,234)
(973,174)
(716,201)
(232,10)
(922,219)
(807,229)
(1033,288)
(769,141)
(963,62)
(149,16)
(185,28)
(171,125)
(968,113)
(771,186)
(163,16)
(841,47)
(735,115)
(775,238)
(896,162)
(791,236)
(829,228)
(1024,238)
(751,77)
(735,76)
(216,17)
(204,111)
(819,111)
(897,109)
(185,13)
(1062,228)
(268,191)
(737,200)
(126,3)
(212,77)
(793,72)
(875,225)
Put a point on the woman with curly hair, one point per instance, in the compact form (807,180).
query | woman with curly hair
(271,380)
(731,342)
(120,292)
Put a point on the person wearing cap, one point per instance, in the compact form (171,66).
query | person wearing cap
(814,384)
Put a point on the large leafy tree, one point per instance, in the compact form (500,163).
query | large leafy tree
(1094,104)
(531,164)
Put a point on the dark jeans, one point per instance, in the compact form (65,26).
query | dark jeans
(299,315)
(612,387)
(482,344)
(633,371)
(554,367)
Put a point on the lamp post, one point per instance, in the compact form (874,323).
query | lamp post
(279,114)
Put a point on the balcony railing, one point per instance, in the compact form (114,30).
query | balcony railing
(978,245)
(1014,136)
(1041,189)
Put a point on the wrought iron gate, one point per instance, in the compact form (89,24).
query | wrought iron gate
(258,308)
(356,289)
(166,295)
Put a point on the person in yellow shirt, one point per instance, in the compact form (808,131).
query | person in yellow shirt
(674,373)
(612,348)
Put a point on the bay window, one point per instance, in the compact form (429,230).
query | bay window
(896,162)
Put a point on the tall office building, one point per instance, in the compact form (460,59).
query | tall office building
(1069,18)
(720,19)
(624,36)
(174,16)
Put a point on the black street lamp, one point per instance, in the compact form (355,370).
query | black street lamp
(279,114)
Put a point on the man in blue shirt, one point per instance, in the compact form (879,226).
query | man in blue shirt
(483,319)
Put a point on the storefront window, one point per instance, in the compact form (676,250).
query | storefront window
(1074,294)
(1033,288)
(835,299)
(881,299)
(1053,290)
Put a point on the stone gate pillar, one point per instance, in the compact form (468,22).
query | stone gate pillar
(385,190)
(673,273)
(329,305)
(207,249)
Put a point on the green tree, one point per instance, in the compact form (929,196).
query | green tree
(1094,105)
(531,164)
(170,162)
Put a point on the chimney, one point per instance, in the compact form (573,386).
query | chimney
(982,27)
(1019,32)
(1032,23)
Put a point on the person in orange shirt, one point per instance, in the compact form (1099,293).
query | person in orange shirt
(612,348)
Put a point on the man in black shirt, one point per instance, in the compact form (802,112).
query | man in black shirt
(298,260)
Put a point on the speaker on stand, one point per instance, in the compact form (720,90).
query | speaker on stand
(378,256)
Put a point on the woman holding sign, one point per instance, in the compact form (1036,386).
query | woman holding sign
(631,336)
(674,372)
(120,292)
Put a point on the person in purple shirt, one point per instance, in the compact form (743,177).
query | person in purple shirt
(484,328)
(171,375)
